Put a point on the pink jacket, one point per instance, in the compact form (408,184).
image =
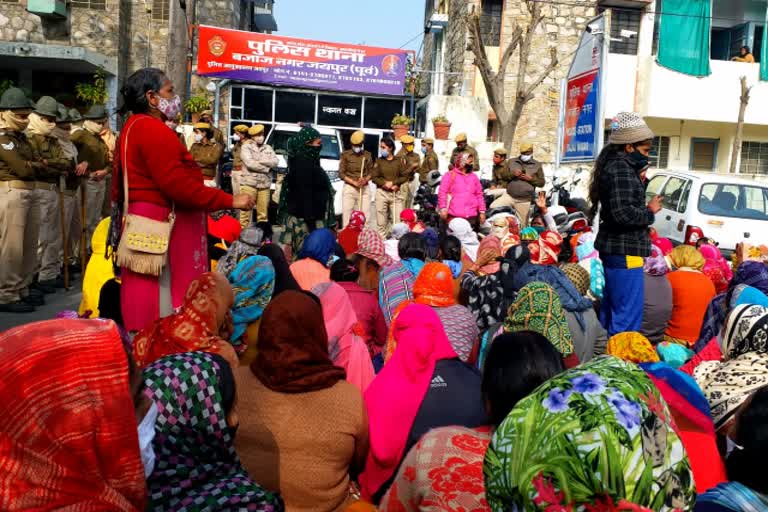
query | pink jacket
(466,194)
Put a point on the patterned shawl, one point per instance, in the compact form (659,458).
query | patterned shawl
(600,436)
(577,275)
(744,369)
(546,249)
(247,245)
(298,145)
(632,347)
(733,496)
(395,287)
(197,467)
(196,326)
(656,264)
(538,309)
(253,281)
(67,428)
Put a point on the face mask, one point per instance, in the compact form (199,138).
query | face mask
(500,232)
(409,148)
(40,126)
(92,126)
(198,137)
(236,137)
(423,150)
(259,140)
(383,153)
(170,108)
(314,151)
(469,167)
(14,122)
(526,158)
(638,161)
(146,431)
(357,149)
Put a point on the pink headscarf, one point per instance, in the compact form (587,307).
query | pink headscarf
(716,267)
(345,346)
(394,397)
(664,244)
(490,246)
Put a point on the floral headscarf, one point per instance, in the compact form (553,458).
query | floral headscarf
(632,347)
(578,275)
(598,437)
(656,264)
(248,244)
(253,282)
(298,145)
(686,256)
(197,467)
(489,251)
(538,309)
(547,249)
(716,268)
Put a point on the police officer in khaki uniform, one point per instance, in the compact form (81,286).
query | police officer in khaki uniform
(463,147)
(501,178)
(391,175)
(206,116)
(527,174)
(430,162)
(239,136)
(355,168)
(92,149)
(206,152)
(259,160)
(42,122)
(19,218)
(412,166)
(77,185)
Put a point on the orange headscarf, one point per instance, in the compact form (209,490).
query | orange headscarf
(68,430)
(197,326)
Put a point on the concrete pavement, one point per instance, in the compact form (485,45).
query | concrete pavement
(59,301)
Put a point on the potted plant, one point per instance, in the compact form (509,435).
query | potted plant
(196,105)
(93,93)
(400,125)
(442,127)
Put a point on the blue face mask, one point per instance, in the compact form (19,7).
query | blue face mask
(383,153)
(424,150)
(146,431)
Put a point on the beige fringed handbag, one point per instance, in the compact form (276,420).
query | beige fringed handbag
(143,246)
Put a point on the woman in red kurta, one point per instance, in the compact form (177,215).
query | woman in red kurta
(162,176)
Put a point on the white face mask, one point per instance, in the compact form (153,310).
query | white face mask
(198,137)
(526,158)
(236,137)
(146,431)
(357,149)
(259,139)
(500,232)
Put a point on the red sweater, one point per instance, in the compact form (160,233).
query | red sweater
(160,169)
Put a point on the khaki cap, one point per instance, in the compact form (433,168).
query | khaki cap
(428,140)
(461,137)
(526,147)
(357,138)
(500,152)
(407,139)
(241,128)
(201,126)
(206,113)
(256,130)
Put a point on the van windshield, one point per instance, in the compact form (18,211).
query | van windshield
(734,200)
(330,149)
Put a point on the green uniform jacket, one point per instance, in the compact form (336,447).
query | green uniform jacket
(237,162)
(390,170)
(429,164)
(520,189)
(350,164)
(49,149)
(412,162)
(502,175)
(207,156)
(469,149)
(18,160)
(91,149)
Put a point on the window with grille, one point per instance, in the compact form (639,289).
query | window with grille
(490,22)
(754,157)
(96,5)
(659,156)
(160,10)
(9,1)
(625,20)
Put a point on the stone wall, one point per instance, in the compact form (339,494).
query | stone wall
(457,58)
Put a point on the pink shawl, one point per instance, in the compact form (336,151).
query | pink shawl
(714,259)
(345,346)
(394,398)
(309,273)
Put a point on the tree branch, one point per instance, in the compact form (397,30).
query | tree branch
(552,65)
(493,87)
(514,42)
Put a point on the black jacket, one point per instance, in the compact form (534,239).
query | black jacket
(308,189)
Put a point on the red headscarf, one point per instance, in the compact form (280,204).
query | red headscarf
(546,249)
(434,286)
(409,217)
(349,235)
(197,326)
(489,251)
(227,228)
(67,430)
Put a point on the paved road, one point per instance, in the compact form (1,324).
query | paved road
(54,303)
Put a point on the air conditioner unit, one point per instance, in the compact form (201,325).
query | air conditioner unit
(56,9)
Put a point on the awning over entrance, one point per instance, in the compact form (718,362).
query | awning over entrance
(54,58)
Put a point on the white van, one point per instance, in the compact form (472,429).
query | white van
(720,206)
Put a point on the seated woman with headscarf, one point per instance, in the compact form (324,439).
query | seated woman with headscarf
(747,489)
(303,428)
(202,323)
(409,217)
(446,465)
(691,293)
(589,259)
(312,267)
(461,229)
(346,347)
(396,280)
(61,378)
(284,279)
(247,244)
(391,244)
(557,447)
(253,282)
(483,286)
(349,235)
(422,387)
(716,268)
(657,296)
(589,336)
(195,458)
(434,288)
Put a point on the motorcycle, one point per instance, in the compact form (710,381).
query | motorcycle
(425,202)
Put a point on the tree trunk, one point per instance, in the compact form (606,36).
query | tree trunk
(176,66)
(740,124)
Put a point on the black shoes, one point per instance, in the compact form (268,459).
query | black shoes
(42,288)
(56,282)
(33,300)
(17,307)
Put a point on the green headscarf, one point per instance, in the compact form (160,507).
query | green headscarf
(599,434)
(538,308)
(298,144)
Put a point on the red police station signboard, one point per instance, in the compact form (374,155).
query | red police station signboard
(290,61)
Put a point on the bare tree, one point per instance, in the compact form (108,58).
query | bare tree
(520,40)
(740,123)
